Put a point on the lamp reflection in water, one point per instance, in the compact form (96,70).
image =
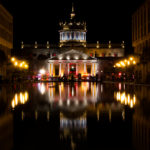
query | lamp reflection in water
(19,98)
(42,88)
(125,98)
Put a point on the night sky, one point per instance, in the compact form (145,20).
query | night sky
(39,20)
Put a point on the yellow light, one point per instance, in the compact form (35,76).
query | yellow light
(118,65)
(21,97)
(131,104)
(125,60)
(26,66)
(128,98)
(21,65)
(16,99)
(134,62)
(128,62)
(26,96)
(12,59)
(126,102)
(131,58)
(16,63)
(118,95)
(23,100)
(13,104)
(122,97)
(122,63)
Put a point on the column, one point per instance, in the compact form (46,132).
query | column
(95,68)
(60,69)
(85,70)
(68,69)
(77,68)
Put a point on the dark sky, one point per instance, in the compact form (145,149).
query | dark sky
(38,20)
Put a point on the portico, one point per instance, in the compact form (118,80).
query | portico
(73,63)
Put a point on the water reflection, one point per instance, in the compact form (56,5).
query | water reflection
(125,98)
(19,98)
(71,114)
(70,94)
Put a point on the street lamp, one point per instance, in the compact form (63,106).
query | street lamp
(16,63)
(12,59)
(42,71)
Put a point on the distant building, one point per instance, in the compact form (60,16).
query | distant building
(141,41)
(73,55)
(6,39)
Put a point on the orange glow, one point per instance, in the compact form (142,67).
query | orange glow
(84,74)
(20,98)
(125,99)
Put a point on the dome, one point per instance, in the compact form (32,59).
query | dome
(72,30)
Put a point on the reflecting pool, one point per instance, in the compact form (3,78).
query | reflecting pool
(74,116)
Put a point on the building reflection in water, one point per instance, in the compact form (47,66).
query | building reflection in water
(125,98)
(73,130)
(20,98)
(71,93)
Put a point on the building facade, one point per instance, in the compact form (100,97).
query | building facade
(141,41)
(72,55)
(6,39)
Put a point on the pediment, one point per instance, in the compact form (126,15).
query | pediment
(72,55)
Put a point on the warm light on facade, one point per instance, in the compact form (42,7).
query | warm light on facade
(68,57)
(42,71)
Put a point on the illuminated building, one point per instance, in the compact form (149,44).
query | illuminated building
(73,55)
(6,39)
(141,41)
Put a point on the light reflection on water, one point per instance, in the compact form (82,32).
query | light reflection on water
(125,98)
(108,104)
(75,94)
(20,98)
(70,94)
